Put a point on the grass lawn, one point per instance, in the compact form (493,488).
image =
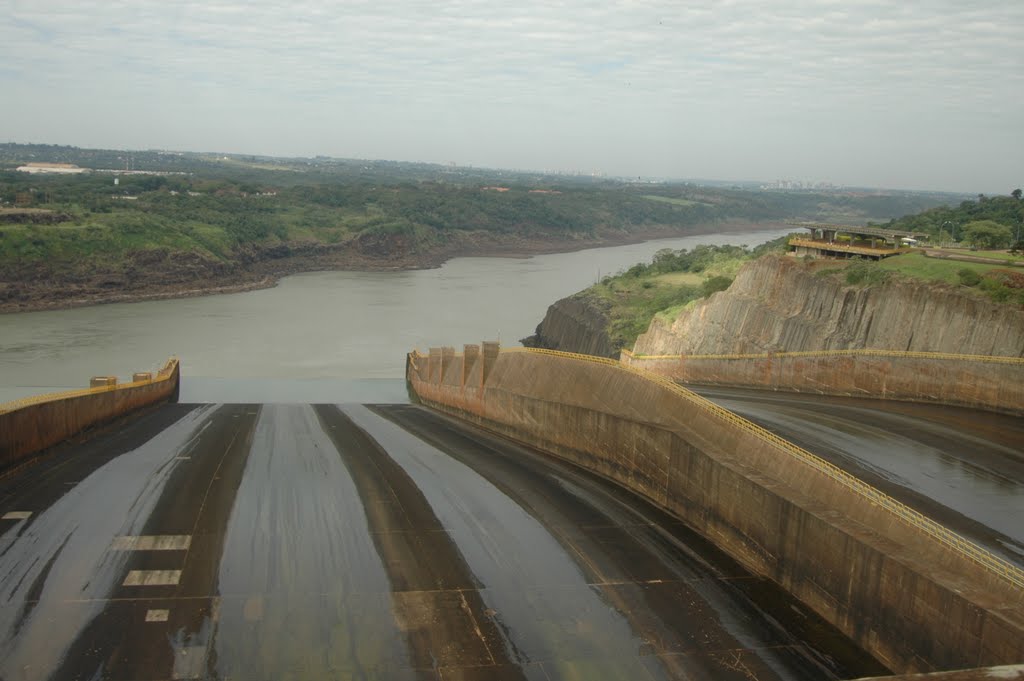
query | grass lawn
(677,279)
(993,255)
(674,202)
(931,269)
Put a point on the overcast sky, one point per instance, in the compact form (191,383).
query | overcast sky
(903,94)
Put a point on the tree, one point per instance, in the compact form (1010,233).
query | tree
(1016,193)
(968,277)
(987,234)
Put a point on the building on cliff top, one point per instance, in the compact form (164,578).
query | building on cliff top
(841,241)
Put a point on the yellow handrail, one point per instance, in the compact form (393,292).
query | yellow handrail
(945,356)
(164,374)
(944,535)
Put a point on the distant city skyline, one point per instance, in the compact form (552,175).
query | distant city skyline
(749,183)
(861,93)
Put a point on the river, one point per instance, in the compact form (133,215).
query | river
(316,337)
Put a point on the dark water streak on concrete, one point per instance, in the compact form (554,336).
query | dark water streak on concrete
(961,467)
(391,543)
(196,501)
(701,615)
(426,571)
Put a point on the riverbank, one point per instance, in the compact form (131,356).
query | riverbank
(160,274)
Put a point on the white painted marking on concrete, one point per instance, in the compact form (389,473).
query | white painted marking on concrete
(16,515)
(152,578)
(152,542)
(157,615)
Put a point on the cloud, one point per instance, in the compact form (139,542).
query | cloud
(768,70)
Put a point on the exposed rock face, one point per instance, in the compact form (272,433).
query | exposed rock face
(777,304)
(575,324)
(31,216)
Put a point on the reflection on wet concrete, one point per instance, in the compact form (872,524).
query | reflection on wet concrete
(59,555)
(687,617)
(537,591)
(302,542)
(435,597)
(963,467)
(300,577)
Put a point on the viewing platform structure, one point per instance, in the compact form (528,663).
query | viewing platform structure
(843,241)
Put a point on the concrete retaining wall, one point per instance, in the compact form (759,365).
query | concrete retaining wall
(909,599)
(31,425)
(994,383)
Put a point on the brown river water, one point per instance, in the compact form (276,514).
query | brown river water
(323,336)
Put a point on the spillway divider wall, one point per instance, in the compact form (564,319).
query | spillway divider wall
(32,424)
(166,373)
(990,359)
(994,383)
(1007,571)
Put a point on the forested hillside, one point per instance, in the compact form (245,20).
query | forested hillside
(956,223)
(217,204)
(132,220)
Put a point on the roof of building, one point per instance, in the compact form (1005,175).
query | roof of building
(860,231)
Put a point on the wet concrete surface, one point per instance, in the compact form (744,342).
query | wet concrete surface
(961,467)
(354,542)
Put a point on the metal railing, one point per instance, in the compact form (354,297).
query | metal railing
(899,354)
(162,375)
(944,535)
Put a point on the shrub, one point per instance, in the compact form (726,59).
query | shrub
(1009,278)
(969,277)
(866,273)
(715,284)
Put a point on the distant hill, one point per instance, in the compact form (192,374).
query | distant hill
(945,223)
(163,222)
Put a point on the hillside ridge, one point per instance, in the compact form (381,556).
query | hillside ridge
(779,304)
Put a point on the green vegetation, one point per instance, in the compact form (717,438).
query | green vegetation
(675,280)
(225,206)
(919,266)
(999,284)
(987,234)
(948,224)
(865,273)
(667,199)
(670,282)
(968,277)
(996,256)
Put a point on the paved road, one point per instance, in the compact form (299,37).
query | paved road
(324,542)
(962,467)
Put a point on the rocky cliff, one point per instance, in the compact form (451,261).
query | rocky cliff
(779,304)
(578,323)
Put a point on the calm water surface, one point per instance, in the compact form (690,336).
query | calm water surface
(324,336)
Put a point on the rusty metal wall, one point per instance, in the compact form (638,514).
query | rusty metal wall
(30,425)
(993,383)
(909,591)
